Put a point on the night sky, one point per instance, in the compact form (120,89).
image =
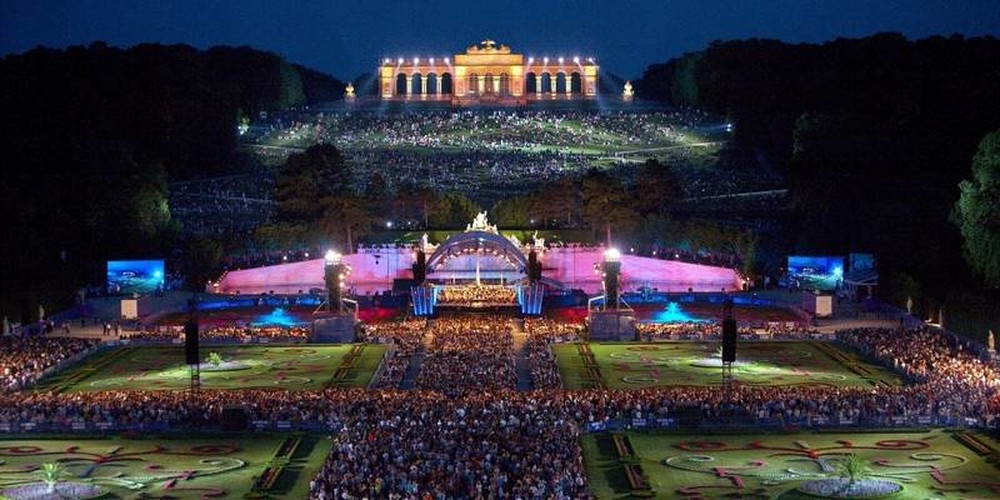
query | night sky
(346,39)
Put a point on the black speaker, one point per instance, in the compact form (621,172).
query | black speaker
(420,267)
(234,418)
(534,267)
(191,355)
(688,415)
(612,274)
(728,340)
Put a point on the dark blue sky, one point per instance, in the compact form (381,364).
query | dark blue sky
(348,38)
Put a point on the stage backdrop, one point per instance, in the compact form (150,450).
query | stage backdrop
(573,267)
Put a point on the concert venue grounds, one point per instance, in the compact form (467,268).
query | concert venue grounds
(682,363)
(285,367)
(208,467)
(928,463)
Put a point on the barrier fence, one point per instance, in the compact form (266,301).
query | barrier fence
(649,422)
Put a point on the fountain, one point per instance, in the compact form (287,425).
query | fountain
(675,314)
(278,317)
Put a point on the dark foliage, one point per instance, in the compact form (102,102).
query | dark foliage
(874,133)
(91,135)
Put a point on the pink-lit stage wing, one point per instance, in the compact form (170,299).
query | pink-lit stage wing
(573,267)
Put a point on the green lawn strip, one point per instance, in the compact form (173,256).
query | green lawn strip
(283,366)
(301,467)
(358,366)
(574,368)
(156,465)
(688,363)
(77,373)
(855,362)
(928,463)
(604,470)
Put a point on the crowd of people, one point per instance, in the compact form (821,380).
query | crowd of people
(405,337)
(229,204)
(542,334)
(224,334)
(469,354)
(24,359)
(712,330)
(464,431)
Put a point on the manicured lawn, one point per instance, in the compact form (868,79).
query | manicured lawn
(930,464)
(174,468)
(289,367)
(680,363)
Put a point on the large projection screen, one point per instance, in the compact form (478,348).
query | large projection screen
(135,276)
(815,273)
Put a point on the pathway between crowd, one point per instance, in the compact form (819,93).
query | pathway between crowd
(520,339)
(417,360)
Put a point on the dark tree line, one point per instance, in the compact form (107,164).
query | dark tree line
(874,134)
(91,136)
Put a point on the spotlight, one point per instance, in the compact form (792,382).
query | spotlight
(531,60)
(612,255)
(416,60)
(432,60)
(576,59)
(545,60)
(561,60)
(400,60)
(331,258)
(447,60)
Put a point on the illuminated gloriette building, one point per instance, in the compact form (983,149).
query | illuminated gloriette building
(488,73)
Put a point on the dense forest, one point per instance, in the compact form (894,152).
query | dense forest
(874,134)
(91,136)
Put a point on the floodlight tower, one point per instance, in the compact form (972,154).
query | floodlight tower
(335,273)
(612,268)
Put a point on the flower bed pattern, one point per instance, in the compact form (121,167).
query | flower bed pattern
(899,465)
(182,469)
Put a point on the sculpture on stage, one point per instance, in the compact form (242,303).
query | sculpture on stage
(539,243)
(481,224)
(349,92)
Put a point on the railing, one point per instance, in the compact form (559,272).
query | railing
(646,422)
(814,422)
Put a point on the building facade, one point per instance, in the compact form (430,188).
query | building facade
(488,73)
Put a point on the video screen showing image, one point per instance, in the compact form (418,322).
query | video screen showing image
(815,273)
(135,276)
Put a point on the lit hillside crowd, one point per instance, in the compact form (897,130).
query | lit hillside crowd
(497,130)
(465,432)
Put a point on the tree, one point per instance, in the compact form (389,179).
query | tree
(977,212)
(422,199)
(202,258)
(852,468)
(511,212)
(348,214)
(50,474)
(454,209)
(306,179)
(606,203)
(214,359)
(655,187)
(558,200)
